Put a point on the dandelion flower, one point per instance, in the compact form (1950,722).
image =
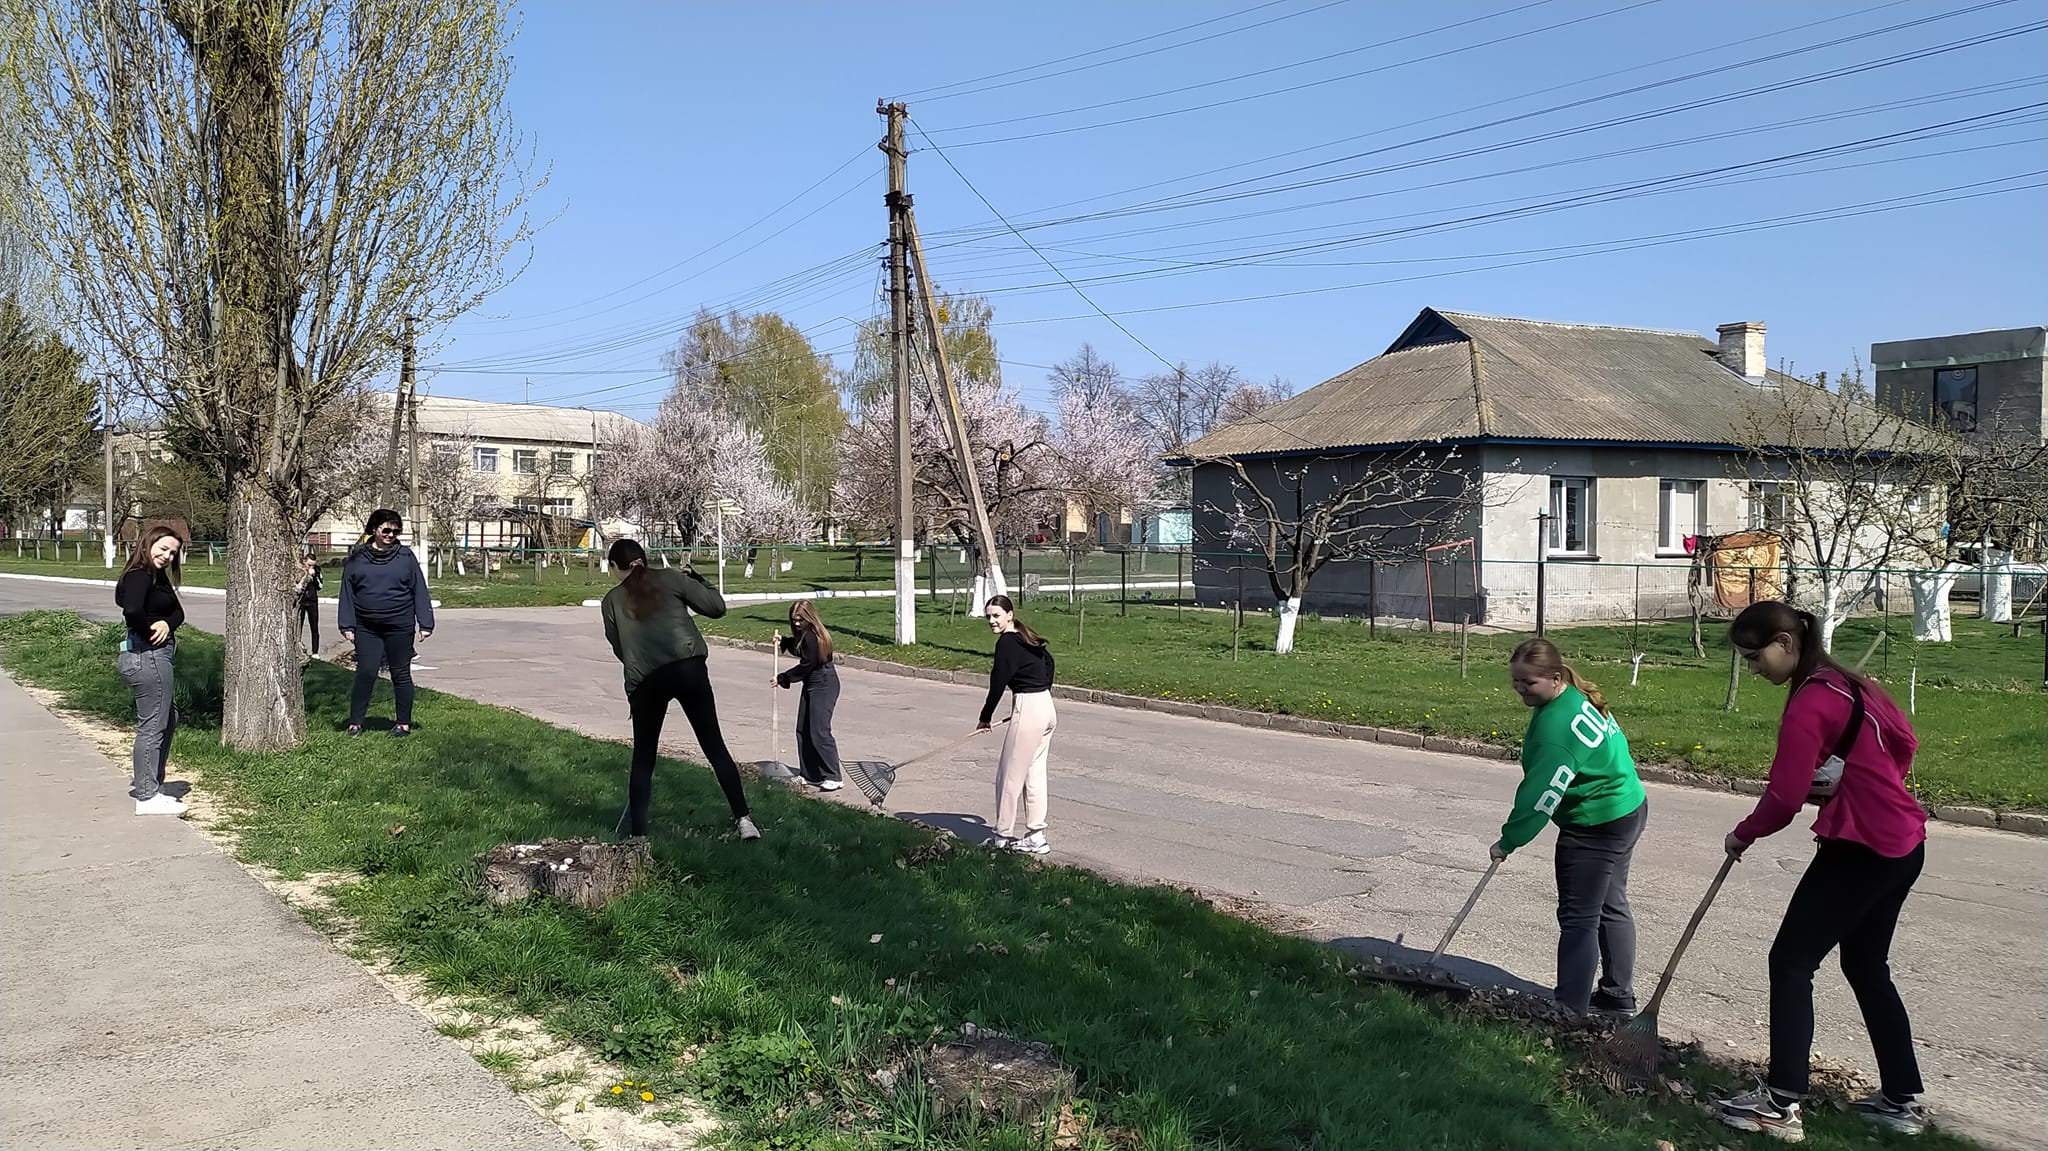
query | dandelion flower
(647,1097)
(618,1090)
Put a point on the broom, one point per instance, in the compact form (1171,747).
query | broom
(1635,1047)
(874,779)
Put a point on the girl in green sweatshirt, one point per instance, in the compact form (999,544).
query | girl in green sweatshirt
(1577,773)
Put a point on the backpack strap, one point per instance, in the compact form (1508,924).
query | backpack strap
(1855,725)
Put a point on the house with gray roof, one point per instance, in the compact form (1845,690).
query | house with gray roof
(1629,443)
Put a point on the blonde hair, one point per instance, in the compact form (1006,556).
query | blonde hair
(803,616)
(1541,656)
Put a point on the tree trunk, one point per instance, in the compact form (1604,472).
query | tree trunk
(1290,614)
(1831,611)
(265,704)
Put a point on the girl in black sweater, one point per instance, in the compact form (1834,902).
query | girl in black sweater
(1024,666)
(817,752)
(147,593)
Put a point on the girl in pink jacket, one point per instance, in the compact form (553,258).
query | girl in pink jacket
(1845,745)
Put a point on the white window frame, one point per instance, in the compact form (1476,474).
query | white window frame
(1560,487)
(484,459)
(562,463)
(1681,512)
(1766,507)
(525,461)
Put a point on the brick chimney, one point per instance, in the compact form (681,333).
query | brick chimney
(1742,349)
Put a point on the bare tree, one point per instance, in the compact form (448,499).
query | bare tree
(244,199)
(1087,375)
(1390,505)
(1856,488)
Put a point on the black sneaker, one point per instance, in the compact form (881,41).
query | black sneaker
(1611,1006)
(1908,1118)
(400,730)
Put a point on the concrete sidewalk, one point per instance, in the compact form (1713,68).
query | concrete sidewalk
(158,996)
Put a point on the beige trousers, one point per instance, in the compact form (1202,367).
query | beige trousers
(1020,774)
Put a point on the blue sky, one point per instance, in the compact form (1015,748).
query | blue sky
(723,155)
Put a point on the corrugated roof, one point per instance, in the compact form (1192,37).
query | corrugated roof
(1455,375)
(484,419)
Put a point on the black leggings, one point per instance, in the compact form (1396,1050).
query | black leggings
(309,614)
(1851,896)
(391,646)
(688,682)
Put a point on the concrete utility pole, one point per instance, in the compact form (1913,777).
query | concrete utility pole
(898,200)
(107,520)
(956,427)
(399,411)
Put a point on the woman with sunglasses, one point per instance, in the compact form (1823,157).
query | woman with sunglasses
(384,605)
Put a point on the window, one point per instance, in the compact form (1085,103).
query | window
(1770,509)
(486,459)
(1571,515)
(563,463)
(1955,398)
(564,508)
(1681,507)
(446,454)
(525,461)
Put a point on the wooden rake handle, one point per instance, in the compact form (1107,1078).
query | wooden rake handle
(1471,901)
(963,741)
(1677,953)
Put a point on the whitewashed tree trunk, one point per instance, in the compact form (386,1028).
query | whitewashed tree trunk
(1290,614)
(1995,601)
(750,569)
(1830,613)
(1930,605)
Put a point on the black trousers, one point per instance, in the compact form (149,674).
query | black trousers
(392,647)
(309,614)
(817,752)
(1596,932)
(1850,897)
(688,682)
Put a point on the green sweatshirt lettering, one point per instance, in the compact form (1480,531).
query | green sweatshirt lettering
(1576,769)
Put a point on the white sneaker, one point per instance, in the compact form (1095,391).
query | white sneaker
(1033,844)
(160,804)
(831,785)
(747,828)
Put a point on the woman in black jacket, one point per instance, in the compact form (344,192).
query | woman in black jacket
(147,593)
(1024,667)
(384,604)
(817,753)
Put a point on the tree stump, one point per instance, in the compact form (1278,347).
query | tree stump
(585,873)
(995,1074)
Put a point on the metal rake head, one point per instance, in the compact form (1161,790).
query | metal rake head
(872,778)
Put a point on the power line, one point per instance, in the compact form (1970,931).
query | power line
(1102,104)
(926,94)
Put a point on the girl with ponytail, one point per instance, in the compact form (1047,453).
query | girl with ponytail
(1844,744)
(1023,666)
(647,621)
(1577,773)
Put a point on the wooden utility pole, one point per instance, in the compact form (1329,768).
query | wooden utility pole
(388,493)
(898,200)
(107,520)
(948,399)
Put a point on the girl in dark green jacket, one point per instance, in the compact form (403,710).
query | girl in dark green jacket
(647,620)
(1577,773)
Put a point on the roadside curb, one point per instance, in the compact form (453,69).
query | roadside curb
(2016,822)
(83,582)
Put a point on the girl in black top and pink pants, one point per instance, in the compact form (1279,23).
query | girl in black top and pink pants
(1023,666)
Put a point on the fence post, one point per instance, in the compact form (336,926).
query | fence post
(1123,580)
(1020,571)
(1372,599)
(1464,639)
(932,566)
(1237,617)
(1179,555)
(1073,574)
(1635,638)
(1542,566)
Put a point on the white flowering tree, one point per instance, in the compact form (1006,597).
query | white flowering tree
(1102,465)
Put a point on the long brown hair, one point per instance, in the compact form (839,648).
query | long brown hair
(1541,656)
(803,616)
(139,558)
(1024,631)
(1760,623)
(642,593)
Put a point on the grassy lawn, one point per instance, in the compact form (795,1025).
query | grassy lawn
(795,965)
(1982,717)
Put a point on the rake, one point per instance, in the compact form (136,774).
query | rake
(1635,1047)
(874,778)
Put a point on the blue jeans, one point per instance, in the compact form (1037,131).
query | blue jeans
(150,673)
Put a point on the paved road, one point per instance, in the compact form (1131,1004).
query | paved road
(158,996)
(1363,845)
